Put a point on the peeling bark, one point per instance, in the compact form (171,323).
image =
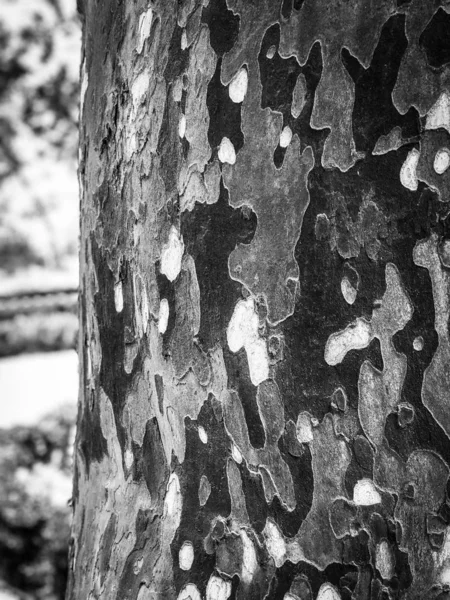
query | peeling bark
(264,305)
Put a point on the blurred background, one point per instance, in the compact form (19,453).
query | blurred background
(39,69)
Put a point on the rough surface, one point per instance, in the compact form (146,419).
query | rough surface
(265,301)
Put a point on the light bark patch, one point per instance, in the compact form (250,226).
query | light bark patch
(365,493)
(441,161)
(238,86)
(439,114)
(355,336)
(163,316)
(408,176)
(218,588)
(186,556)
(243,332)
(227,153)
(172,254)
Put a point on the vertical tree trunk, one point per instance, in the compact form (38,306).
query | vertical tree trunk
(265,355)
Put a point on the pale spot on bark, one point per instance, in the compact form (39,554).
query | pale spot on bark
(445,576)
(348,291)
(271,52)
(118,297)
(328,592)
(184,40)
(408,175)
(218,588)
(355,336)
(132,145)
(243,332)
(186,556)
(182,126)
(145,24)
(439,114)
(298,96)
(138,565)
(202,435)
(238,86)
(84,86)
(286,137)
(189,592)
(172,501)
(304,428)
(299,590)
(141,303)
(128,458)
(227,153)
(275,544)
(249,559)
(418,343)
(236,454)
(365,493)
(89,368)
(204,490)
(172,254)
(384,560)
(163,316)
(441,161)
(139,88)
(145,593)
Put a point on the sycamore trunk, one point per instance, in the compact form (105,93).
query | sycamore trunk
(265,295)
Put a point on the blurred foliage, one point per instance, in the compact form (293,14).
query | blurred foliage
(35,490)
(39,72)
(38,333)
(39,93)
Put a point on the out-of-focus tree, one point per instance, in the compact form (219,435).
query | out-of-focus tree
(35,483)
(39,58)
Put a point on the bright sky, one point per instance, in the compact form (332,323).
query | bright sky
(33,385)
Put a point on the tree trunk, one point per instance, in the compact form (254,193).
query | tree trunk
(264,348)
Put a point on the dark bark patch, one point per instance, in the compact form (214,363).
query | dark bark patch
(93,443)
(210,233)
(435,39)
(300,125)
(223,26)
(113,326)
(166,290)
(169,146)
(257,508)
(374,113)
(148,532)
(224,114)
(432,142)
(286,9)
(298,4)
(278,75)
(305,380)
(154,466)
(159,385)
(239,380)
(303,478)
(423,432)
(343,577)
(107,545)
(197,521)
(179,59)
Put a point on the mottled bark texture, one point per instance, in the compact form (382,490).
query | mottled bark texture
(265,255)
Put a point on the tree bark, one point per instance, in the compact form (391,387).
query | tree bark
(264,348)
